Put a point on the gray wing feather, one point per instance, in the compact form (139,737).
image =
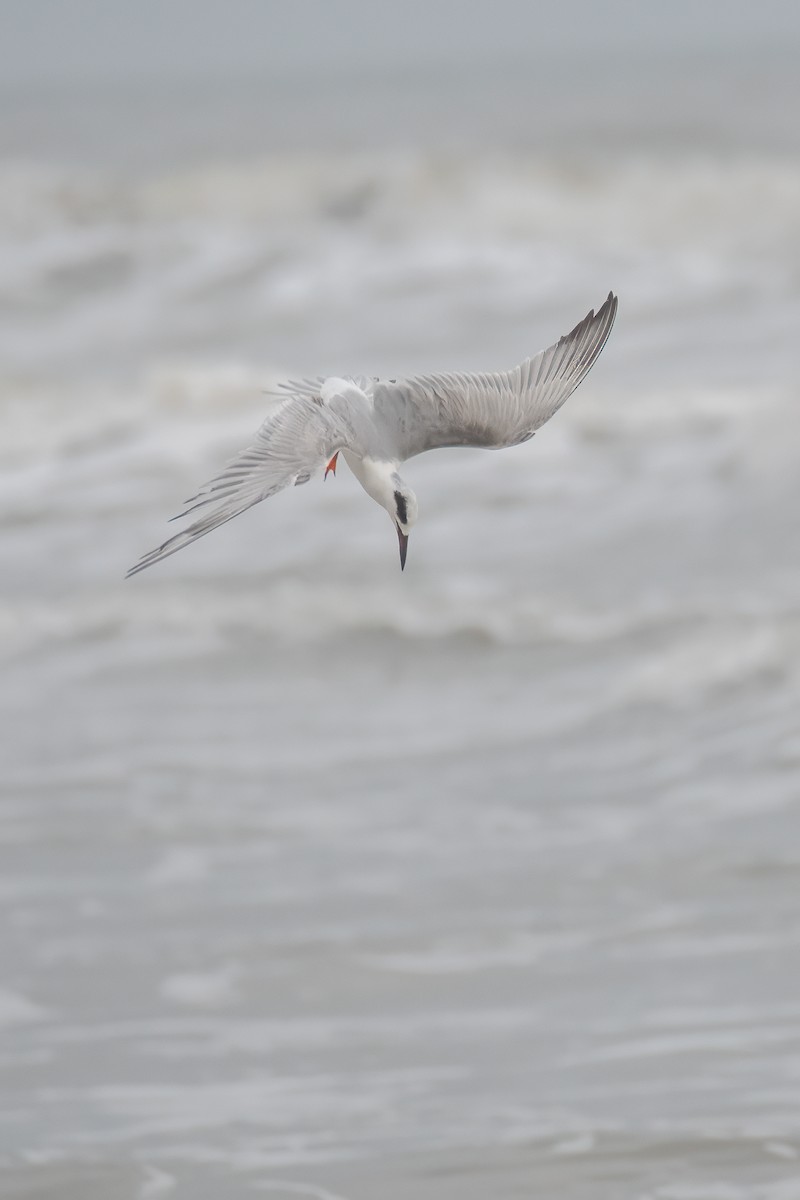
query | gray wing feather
(491,410)
(296,387)
(310,387)
(296,439)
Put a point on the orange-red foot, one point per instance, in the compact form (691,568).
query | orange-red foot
(331,465)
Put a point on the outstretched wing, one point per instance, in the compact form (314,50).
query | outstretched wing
(501,409)
(298,437)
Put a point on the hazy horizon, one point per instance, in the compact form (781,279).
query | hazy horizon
(109,41)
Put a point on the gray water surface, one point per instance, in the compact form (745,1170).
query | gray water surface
(479,881)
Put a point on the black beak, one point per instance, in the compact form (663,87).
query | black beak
(403,539)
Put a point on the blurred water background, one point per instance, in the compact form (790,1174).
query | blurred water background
(479,881)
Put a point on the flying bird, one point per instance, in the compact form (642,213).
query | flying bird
(377,424)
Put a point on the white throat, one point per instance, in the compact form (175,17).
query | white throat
(378,478)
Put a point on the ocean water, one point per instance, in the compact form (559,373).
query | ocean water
(477,881)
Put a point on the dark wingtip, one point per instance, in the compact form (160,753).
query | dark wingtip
(611,303)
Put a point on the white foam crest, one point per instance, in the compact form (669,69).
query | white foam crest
(626,197)
(712,660)
(292,610)
(202,989)
(658,411)
(179,410)
(16,1009)
(333,253)
(695,646)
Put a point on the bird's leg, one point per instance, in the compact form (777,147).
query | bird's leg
(331,466)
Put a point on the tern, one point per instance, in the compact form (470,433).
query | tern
(376,425)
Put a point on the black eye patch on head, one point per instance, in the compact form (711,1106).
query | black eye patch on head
(402,511)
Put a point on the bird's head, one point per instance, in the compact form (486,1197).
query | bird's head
(402,508)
